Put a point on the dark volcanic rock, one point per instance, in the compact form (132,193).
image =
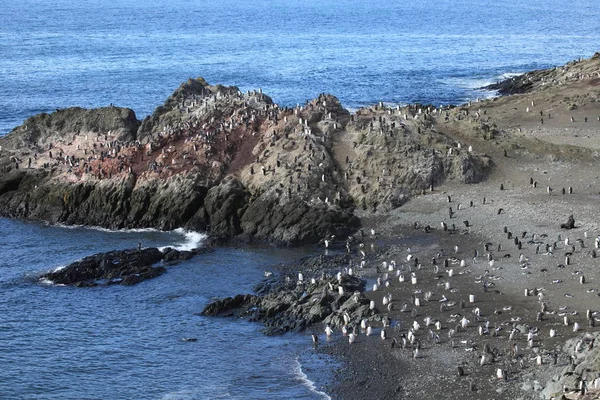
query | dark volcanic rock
(171,255)
(295,222)
(234,164)
(514,85)
(126,267)
(142,275)
(227,306)
(225,204)
(45,129)
(545,78)
(292,305)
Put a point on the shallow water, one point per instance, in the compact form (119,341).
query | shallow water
(126,342)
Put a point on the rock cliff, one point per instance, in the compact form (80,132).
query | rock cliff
(212,158)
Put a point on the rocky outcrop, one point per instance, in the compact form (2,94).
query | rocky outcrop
(125,267)
(234,164)
(295,222)
(399,153)
(582,69)
(194,95)
(284,304)
(45,131)
(115,204)
(225,205)
(583,370)
(228,306)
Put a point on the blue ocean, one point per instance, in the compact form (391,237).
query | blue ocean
(126,342)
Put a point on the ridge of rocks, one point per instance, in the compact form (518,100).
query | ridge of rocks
(212,158)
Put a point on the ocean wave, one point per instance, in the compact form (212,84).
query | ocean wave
(469,83)
(481,83)
(303,378)
(48,282)
(484,94)
(191,240)
(192,237)
(508,75)
(477,83)
(101,229)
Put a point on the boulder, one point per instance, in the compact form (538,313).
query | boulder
(44,129)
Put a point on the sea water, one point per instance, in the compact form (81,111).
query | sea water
(126,342)
(91,53)
(115,342)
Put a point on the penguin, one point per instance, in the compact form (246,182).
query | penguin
(500,373)
(416,353)
(328,331)
(351,338)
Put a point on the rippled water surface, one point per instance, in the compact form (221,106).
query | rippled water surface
(125,342)
(90,53)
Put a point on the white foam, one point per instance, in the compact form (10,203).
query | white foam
(191,240)
(100,229)
(137,230)
(297,369)
(479,83)
(485,94)
(508,75)
(48,282)
(469,83)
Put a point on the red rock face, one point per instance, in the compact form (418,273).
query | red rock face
(214,158)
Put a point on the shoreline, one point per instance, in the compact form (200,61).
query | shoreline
(224,153)
(506,171)
(356,382)
(533,213)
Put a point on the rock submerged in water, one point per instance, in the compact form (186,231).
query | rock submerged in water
(286,305)
(126,267)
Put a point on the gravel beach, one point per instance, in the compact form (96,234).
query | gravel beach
(504,233)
